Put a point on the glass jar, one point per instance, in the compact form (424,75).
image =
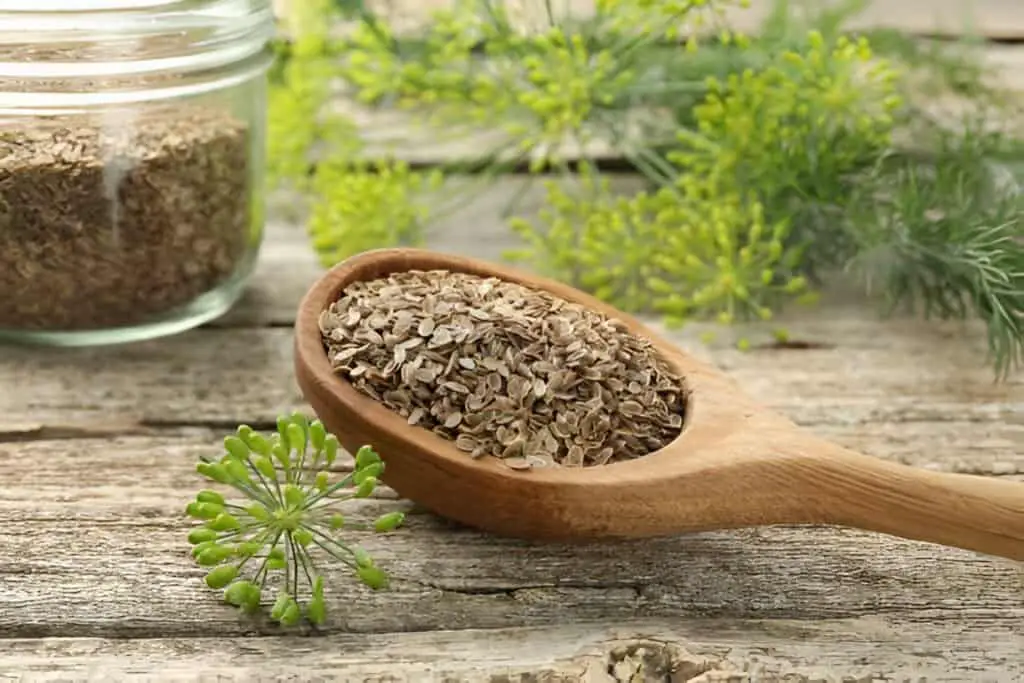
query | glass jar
(131,164)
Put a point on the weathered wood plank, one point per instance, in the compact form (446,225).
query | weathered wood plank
(870,374)
(96,539)
(406,135)
(97,467)
(994,19)
(864,649)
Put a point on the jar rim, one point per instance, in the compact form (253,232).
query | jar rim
(84,5)
(126,39)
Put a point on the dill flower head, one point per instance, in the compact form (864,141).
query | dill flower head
(287,523)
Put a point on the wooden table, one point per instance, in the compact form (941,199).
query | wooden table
(97,456)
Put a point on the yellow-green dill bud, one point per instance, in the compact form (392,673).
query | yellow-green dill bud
(199,548)
(337,521)
(299,418)
(258,443)
(202,535)
(361,557)
(280,605)
(281,454)
(795,285)
(208,496)
(302,536)
(322,481)
(366,456)
(214,555)
(248,548)
(203,510)
(220,577)
(371,471)
(236,447)
(258,512)
(223,522)
(296,438)
(316,610)
(264,466)
(294,497)
(372,576)
(282,429)
(388,522)
(237,470)
(366,487)
(291,614)
(317,434)
(244,594)
(212,471)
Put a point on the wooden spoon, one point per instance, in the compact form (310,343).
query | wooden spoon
(736,463)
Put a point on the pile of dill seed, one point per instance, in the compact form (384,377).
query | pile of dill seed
(107,222)
(503,370)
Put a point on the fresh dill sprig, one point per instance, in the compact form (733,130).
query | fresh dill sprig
(943,236)
(771,160)
(289,521)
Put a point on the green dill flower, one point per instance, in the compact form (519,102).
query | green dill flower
(289,513)
(298,116)
(362,205)
(473,67)
(807,115)
(721,257)
(442,75)
(696,250)
(297,121)
(669,18)
(796,132)
(564,80)
(592,239)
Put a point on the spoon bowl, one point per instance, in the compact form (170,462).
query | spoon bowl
(735,464)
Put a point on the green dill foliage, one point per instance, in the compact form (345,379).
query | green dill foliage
(365,205)
(771,161)
(300,87)
(355,203)
(287,523)
(682,250)
(942,235)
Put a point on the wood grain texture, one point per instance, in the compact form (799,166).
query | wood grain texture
(96,539)
(995,19)
(404,135)
(96,455)
(865,371)
(699,651)
(871,378)
(736,464)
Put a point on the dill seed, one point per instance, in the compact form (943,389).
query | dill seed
(503,370)
(108,224)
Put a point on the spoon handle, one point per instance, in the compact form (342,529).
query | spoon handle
(983,514)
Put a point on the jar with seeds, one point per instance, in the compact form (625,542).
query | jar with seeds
(131,164)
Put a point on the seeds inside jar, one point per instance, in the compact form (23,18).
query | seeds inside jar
(503,370)
(105,225)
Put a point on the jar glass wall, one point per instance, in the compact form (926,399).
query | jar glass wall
(131,164)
